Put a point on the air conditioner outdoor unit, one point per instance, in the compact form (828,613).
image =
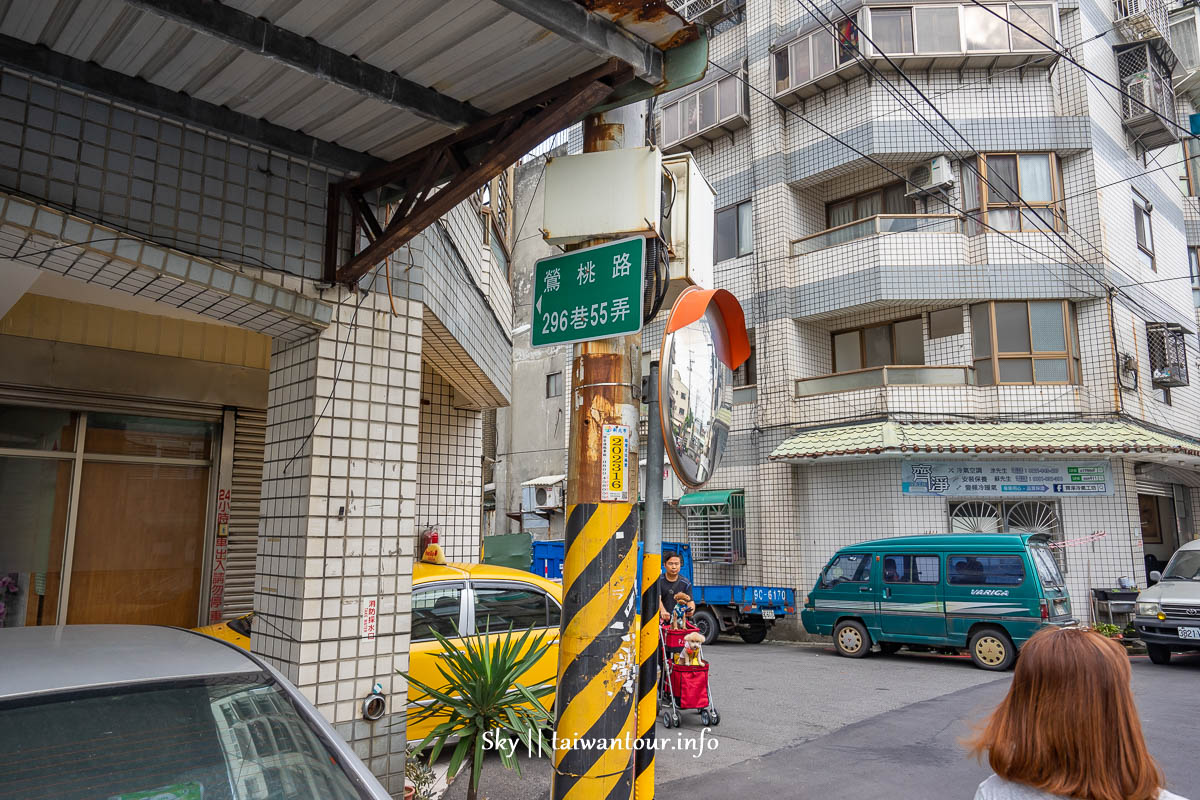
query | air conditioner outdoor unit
(1138,94)
(548,497)
(929,176)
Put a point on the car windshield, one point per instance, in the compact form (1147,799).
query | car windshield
(1047,567)
(229,738)
(1185,566)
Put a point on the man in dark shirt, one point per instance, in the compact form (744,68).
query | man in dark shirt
(670,583)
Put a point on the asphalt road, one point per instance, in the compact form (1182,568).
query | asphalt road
(800,722)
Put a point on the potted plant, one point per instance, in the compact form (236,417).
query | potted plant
(484,694)
(1117,595)
(418,776)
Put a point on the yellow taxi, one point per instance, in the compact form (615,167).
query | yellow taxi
(455,599)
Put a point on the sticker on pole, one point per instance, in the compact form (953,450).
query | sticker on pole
(616,463)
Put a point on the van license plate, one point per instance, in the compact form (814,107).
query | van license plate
(1189,633)
(769,613)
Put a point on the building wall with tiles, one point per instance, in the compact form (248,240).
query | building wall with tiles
(449,469)
(98,191)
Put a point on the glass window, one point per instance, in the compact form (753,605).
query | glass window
(877,342)
(435,609)
(169,739)
(708,107)
(801,66)
(946,322)
(822,44)
(745,221)
(852,568)
(1037,342)
(519,608)
(847,41)
(747,374)
(37,428)
(985,570)
(1047,568)
(727,88)
(554,384)
(1047,325)
(937,29)
(888,199)
(911,569)
(1037,22)
(671,124)
(735,232)
(1143,229)
(782,70)
(690,116)
(984,30)
(1020,192)
(154,577)
(891,29)
(120,434)
(1012,327)
(35,492)
(1003,183)
(1035,178)
(840,213)
(847,351)
(910,342)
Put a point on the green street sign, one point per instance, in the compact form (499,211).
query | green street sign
(593,293)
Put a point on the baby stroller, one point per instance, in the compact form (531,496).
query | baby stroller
(683,686)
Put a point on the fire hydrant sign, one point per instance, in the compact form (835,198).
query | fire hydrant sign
(615,463)
(593,293)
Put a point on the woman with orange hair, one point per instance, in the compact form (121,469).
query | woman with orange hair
(1069,726)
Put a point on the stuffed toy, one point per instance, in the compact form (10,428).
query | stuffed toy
(679,612)
(691,654)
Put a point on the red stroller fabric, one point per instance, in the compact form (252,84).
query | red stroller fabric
(674,639)
(690,684)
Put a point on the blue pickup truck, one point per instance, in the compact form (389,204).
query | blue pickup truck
(748,611)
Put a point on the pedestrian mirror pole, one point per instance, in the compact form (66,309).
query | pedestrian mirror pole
(648,669)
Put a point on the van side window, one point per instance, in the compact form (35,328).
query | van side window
(850,568)
(985,570)
(911,569)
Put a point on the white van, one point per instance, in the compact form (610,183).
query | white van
(1167,616)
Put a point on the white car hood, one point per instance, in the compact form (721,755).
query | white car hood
(1172,592)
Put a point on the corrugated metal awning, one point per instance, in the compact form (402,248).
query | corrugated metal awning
(545,480)
(712,497)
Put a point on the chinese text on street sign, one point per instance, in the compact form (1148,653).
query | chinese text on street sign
(593,293)
(615,463)
(1006,479)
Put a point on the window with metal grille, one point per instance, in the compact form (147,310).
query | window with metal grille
(1030,516)
(716,526)
(1168,355)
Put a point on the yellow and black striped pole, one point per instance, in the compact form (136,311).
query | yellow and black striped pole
(647,707)
(594,736)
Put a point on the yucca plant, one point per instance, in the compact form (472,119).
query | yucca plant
(483,692)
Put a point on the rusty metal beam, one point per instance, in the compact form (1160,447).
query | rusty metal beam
(487,147)
(592,32)
(258,36)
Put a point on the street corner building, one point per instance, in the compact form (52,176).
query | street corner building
(255,308)
(969,264)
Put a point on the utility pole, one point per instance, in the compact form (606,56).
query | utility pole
(599,641)
(647,704)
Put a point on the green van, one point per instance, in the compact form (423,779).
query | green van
(985,593)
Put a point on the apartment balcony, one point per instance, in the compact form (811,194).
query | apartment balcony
(915,38)
(708,12)
(876,225)
(1148,104)
(1146,21)
(896,375)
(1185,42)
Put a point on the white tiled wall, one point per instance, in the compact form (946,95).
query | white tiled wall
(449,469)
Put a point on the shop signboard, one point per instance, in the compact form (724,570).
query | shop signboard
(1006,479)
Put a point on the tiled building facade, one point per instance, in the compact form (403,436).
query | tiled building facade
(170,275)
(819,277)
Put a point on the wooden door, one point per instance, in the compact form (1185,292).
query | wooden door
(139,544)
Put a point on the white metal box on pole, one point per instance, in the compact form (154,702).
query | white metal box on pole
(689,226)
(614,193)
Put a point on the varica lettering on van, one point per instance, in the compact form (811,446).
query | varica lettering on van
(983,593)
